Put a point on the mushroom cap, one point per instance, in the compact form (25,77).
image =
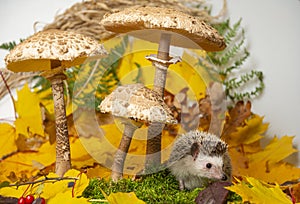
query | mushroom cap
(166,19)
(135,101)
(49,49)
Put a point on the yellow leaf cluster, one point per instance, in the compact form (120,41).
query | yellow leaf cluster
(54,191)
(26,164)
(253,191)
(264,163)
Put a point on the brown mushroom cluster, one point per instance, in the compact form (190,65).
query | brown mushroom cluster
(84,16)
(166,27)
(52,51)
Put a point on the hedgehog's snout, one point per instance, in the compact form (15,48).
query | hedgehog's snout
(224,177)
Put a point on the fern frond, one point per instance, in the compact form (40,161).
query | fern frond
(230,62)
(9,45)
(244,80)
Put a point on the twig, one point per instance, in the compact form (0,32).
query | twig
(11,96)
(98,200)
(43,180)
(8,155)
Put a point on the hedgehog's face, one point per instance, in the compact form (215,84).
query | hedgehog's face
(210,167)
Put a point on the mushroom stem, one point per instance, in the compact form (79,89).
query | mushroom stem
(63,158)
(153,148)
(161,71)
(120,156)
(164,46)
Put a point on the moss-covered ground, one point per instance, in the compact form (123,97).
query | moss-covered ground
(161,187)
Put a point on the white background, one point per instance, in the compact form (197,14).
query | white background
(272,32)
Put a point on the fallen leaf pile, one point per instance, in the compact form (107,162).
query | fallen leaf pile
(27,151)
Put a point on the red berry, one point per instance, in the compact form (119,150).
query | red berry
(29,199)
(21,200)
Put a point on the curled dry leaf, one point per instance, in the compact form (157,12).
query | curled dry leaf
(215,193)
(236,118)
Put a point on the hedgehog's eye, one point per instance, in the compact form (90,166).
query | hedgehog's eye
(208,165)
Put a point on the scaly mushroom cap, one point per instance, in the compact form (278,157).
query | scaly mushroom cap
(49,49)
(135,101)
(139,18)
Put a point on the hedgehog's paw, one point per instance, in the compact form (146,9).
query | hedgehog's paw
(181,184)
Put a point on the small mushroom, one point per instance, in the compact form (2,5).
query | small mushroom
(134,104)
(168,21)
(52,51)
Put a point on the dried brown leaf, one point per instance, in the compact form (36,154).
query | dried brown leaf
(215,193)
(236,118)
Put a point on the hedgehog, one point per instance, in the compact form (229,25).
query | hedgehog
(198,159)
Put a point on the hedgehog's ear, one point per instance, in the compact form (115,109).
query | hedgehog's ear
(195,149)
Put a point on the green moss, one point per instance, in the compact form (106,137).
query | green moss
(234,198)
(161,187)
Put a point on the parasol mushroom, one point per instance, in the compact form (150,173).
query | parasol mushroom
(168,21)
(52,51)
(134,104)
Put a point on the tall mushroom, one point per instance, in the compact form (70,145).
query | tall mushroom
(133,104)
(52,51)
(168,21)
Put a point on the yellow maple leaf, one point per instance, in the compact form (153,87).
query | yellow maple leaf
(79,155)
(134,66)
(98,172)
(275,151)
(279,172)
(66,198)
(16,192)
(29,120)
(134,58)
(249,133)
(122,198)
(8,139)
(266,164)
(53,189)
(253,191)
(80,184)
(27,163)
